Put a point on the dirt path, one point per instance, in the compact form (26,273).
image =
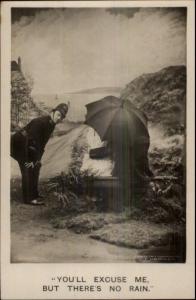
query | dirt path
(33,239)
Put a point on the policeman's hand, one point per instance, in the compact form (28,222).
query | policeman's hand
(38,163)
(29,165)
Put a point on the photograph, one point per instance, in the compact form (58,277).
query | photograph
(98,162)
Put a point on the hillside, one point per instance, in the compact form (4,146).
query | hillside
(161,95)
(65,127)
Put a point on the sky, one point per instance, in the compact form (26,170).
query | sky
(66,50)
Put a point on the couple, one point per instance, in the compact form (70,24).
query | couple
(27,147)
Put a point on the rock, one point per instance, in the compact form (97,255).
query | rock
(133,234)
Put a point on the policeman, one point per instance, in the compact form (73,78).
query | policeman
(27,147)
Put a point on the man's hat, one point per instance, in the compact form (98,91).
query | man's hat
(62,108)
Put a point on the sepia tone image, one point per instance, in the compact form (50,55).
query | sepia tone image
(98,135)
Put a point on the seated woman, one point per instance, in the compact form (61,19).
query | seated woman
(96,159)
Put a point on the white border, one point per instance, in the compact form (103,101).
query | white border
(23,281)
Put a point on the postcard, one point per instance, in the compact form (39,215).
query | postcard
(97,150)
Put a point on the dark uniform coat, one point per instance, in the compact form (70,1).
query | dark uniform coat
(27,145)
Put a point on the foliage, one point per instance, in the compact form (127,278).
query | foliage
(23,107)
(161,96)
(69,189)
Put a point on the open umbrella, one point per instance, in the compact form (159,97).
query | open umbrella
(114,118)
(124,127)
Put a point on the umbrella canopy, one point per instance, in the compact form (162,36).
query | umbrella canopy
(117,120)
